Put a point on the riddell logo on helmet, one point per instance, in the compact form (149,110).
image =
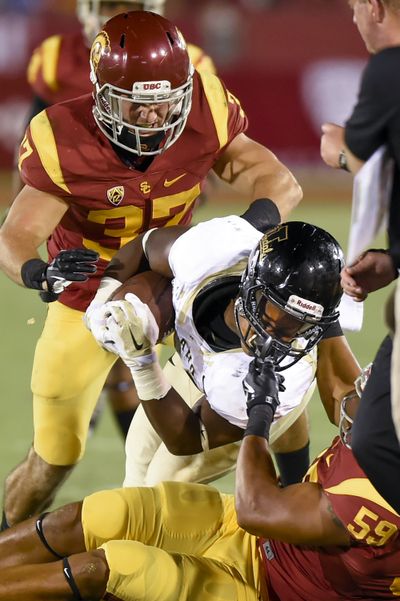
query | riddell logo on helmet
(304,305)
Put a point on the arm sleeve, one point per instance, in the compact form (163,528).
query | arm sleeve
(333,331)
(262,214)
(366,129)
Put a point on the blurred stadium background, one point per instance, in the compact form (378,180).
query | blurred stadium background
(293,64)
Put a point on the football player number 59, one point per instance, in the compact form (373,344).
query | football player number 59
(367,526)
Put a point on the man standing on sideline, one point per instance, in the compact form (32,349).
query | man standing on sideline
(99,170)
(375,121)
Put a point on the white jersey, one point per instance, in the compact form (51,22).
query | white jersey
(220,248)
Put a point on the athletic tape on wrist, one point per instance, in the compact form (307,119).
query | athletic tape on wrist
(260,420)
(150,382)
(106,288)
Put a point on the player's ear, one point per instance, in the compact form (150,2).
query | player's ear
(378,10)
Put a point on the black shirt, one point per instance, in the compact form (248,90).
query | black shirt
(376,121)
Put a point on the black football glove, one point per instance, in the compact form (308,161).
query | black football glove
(262,384)
(68,266)
(261,388)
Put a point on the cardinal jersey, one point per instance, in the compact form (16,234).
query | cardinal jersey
(369,569)
(65,154)
(213,251)
(59,67)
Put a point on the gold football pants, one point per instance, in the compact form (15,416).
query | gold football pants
(69,372)
(173,542)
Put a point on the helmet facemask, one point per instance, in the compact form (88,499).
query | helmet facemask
(255,338)
(109,114)
(345,421)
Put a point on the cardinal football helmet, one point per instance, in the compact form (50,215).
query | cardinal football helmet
(90,15)
(141,59)
(296,266)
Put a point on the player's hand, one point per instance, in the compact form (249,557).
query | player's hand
(371,271)
(261,385)
(124,327)
(67,267)
(332,142)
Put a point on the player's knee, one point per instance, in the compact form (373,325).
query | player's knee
(87,574)
(59,445)
(105,516)
(61,530)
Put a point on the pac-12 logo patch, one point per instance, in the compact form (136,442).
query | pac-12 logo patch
(116,195)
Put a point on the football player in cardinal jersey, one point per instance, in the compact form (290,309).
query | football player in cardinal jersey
(98,172)
(285,304)
(332,537)
(59,70)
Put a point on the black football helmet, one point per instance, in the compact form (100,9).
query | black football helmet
(296,266)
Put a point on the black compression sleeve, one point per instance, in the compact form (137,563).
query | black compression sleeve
(335,329)
(260,420)
(263,214)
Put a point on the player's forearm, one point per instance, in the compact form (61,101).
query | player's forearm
(281,187)
(128,261)
(272,181)
(176,424)
(256,483)
(337,369)
(14,252)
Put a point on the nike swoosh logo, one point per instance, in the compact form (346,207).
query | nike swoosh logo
(66,572)
(171,182)
(137,346)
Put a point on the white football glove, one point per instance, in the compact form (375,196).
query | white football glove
(131,332)
(130,329)
(94,318)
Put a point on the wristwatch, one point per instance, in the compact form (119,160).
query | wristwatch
(343,161)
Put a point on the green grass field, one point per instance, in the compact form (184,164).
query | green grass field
(22,316)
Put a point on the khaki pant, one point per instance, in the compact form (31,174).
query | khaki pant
(395,367)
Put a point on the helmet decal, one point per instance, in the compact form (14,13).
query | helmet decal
(277,234)
(305,306)
(100,44)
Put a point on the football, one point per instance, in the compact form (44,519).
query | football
(155,291)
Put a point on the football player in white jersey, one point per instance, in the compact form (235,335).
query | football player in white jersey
(237,293)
